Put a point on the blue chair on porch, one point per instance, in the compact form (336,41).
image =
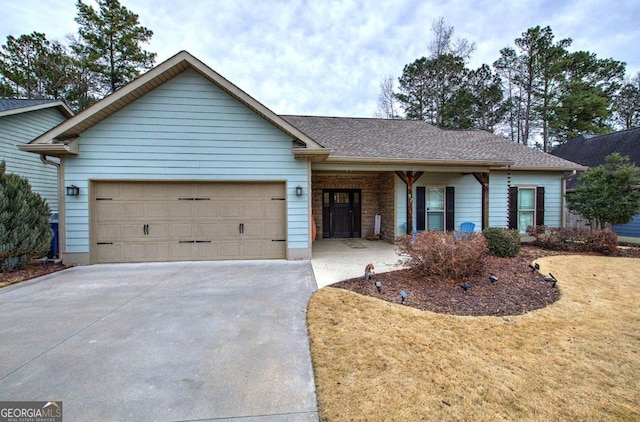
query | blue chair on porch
(467,227)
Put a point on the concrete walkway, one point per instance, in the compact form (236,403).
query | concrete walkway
(340,259)
(163,342)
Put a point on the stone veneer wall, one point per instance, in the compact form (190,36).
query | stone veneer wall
(388,205)
(377,197)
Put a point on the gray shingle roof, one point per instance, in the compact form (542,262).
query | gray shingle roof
(375,139)
(592,150)
(13,104)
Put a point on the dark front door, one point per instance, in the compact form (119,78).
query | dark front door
(341,213)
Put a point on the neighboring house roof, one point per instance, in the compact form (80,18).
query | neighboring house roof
(591,150)
(414,141)
(63,139)
(9,106)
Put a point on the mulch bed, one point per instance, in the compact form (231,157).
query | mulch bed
(33,270)
(518,289)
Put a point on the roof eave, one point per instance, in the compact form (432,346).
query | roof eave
(549,168)
(413,161)
(55,149)
(60,105)
(314,155)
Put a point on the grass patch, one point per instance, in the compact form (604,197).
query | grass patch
(578,359)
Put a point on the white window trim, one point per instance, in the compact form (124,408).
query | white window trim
(535,205)
(444,206)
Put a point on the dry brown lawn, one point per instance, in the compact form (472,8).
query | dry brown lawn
(577,359)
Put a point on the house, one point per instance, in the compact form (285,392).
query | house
(591,151)
(22,120)
(181,164)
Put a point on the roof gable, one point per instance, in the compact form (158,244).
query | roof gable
(58,140)
(416,142)
(11,106)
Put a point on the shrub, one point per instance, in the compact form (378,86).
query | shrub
(440,254)
(503,243)
(24,222)
(575,239)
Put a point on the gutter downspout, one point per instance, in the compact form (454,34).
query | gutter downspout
(61,208)
(565,177)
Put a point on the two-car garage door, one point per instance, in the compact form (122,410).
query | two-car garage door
(159,221)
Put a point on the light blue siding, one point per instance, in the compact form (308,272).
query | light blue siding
(499,194)
(631,229)
(19,129)
(185,130)
(468,198)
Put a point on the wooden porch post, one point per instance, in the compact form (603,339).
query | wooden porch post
(483,178)
(409,178)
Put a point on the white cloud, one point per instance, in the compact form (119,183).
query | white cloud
(328,57)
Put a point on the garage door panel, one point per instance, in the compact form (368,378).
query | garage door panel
(274,209)
(206,209)
(181,209)
(207,230)
(109,253)
(108,190)
(230,250)
(157,210)
(131,191)
(182,251)
(157,221)
(229,229)
(182,231)
(206,250)
(253,210)
(275,230)
(132,210)
(107,210)
(228,210)
(108,232)
(158,231)
(157,190)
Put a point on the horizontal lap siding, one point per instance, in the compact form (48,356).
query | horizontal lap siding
(19,129)
(498,195)
(186,129)
(468,196)
(631,229)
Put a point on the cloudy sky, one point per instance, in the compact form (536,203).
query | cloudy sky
(323,57)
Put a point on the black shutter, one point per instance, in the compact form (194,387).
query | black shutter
(450,207)
(420,208)
(513,207)
(540,206)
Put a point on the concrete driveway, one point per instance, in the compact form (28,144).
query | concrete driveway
(163,342)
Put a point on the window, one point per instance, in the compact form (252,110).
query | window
(526,208)
(435,209)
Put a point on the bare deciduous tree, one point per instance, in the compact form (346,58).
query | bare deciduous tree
(443,42)
(387,102)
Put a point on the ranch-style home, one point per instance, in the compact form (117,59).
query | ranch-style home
(181,164)
(21,120)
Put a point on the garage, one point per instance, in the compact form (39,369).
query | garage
(187,221)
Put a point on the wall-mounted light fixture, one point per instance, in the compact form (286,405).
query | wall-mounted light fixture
(73,190)
(298,190)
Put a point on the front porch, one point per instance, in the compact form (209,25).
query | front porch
(335,260)
(345,204)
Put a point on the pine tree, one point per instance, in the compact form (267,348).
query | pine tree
(24,222)
(110,39)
